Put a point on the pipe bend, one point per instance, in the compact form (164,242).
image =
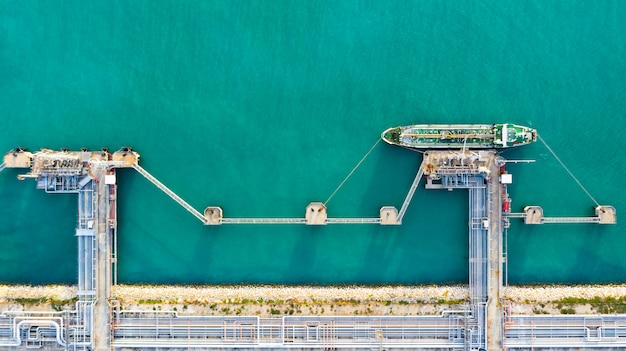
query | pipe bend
(39,322)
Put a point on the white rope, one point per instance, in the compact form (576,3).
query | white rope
(352,171)
(567,169)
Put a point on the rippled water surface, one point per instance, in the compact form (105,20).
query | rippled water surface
(261,107)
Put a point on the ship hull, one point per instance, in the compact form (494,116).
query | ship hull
(456,136)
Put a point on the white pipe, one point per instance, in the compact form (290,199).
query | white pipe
(40,322)
(50,320)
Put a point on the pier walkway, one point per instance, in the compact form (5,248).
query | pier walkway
(169,192)
(534,215)
(298,220)
(167,329)
(570,220)
(263,221)
(213,215)
(97,322)
(470,170)
(409,195)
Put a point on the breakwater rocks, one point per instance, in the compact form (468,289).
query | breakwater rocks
(560,299)
(316,300)
(548,293)
(298,300)
(421,294)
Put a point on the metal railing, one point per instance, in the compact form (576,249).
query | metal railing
(169,192)
(298,220)
(30,329)
(87,244)
(146,329)
(352,220)
(142,329)
(263,221)
(570,220)
(560,331)
(409,195)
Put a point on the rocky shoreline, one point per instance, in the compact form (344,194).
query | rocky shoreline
(318,300)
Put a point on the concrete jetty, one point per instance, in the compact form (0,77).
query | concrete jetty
(98,323)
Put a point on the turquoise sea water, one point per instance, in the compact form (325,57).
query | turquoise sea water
(263,106)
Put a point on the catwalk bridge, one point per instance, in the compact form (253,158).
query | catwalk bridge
(98,323)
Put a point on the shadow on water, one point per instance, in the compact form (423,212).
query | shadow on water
(584,256)
(303,256)
(40,239)
(434,228)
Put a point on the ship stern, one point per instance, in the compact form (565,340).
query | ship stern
(513,135)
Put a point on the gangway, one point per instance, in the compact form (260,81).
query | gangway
(98,324)
(409,195)
(515,215)
(534,215)
(298,220)
(2,166)
(169,192)
(263,220)
(315,214)
(571,220)
(353,220)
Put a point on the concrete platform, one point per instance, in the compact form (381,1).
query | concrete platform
(18,159)
(213,215)
(533,215)
(389,215)
(127,156)
(102,155)
(316,214)
(606,214)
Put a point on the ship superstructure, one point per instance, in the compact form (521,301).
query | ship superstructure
(449,136)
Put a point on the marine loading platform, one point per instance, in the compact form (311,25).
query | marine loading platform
(97,322)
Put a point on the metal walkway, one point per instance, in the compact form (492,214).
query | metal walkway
(70,330)
(87,243)
(97,323)
(258,220)
(353,220)
(227,220)
(543,220)
(168,330)
(566,332)
(534,215)
(263,221)
(409,195)
(571,220)
(467,172)
(478,172)
(169,192)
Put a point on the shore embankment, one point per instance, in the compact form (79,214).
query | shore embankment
(318,300)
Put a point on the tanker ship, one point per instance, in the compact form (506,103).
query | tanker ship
(457,136)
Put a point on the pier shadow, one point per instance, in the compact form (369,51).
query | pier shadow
(552,254)
(431,245)
(38,243)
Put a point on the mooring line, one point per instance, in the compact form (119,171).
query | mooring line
(567,169)
(352,171)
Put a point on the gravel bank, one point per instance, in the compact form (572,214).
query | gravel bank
(316,300)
